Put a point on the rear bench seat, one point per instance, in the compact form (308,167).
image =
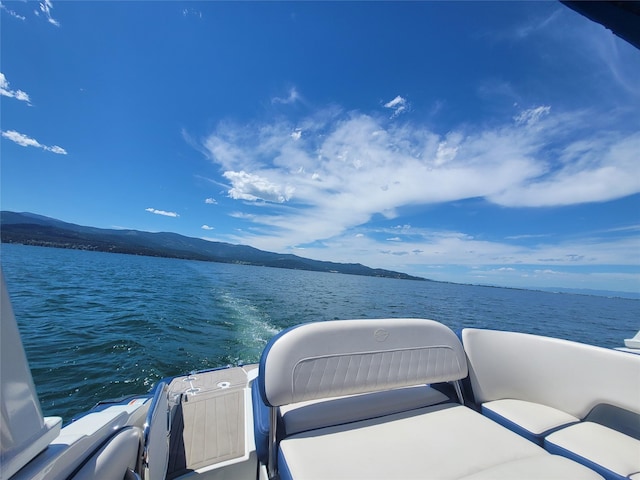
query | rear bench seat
(576,400)
(305,372)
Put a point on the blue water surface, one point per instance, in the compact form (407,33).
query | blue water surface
(102,325)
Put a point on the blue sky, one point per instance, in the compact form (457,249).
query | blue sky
(488,143)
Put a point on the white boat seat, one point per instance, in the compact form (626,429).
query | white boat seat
(531,420)
(318,361)
(116,460)
(315,362)
(607,451)
(532,385)
(440,442)
(567,376)
(315,414)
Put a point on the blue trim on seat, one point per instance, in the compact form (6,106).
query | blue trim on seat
(605,472)
(537,438)
(283,469)
(514,427)
(260,424)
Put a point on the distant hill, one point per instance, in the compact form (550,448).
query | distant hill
(32,229)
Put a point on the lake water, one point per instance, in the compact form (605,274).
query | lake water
(101,325)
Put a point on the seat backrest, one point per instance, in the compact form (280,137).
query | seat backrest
(346,357)
(569,376)
(116,459)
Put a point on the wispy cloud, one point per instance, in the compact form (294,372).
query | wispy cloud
(293,97)
(162,212)
(398,105)
(349,167)
(191,12)
(535,25)
(6,91)
(45,9)
(12,12)
(532,115)
(207,227)
(26,141)
(210,201)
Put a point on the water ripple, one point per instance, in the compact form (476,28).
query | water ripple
(97,325)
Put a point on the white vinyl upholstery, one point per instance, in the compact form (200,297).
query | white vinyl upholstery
(314,414)
(549,467)
(115,459)
(303,369)
(540,387)
(336,358)
(567,376)
(600,445)
(439,442)
(534,418)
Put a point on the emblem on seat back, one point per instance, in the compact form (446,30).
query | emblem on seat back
(380,335)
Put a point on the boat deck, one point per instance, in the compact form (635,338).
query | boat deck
(208,425)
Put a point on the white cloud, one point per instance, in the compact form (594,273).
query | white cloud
(293,97)
(210,201)
(191,12)
(350,167)
(398,105)
(207,227)
(162,212)
(11,12)
(6,91)
(26,141)
(247,186)
(45,8)
(608,169)
(532,116)
(424,248)
(534,25)
(57,149)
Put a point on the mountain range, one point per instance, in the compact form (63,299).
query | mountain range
(32,229)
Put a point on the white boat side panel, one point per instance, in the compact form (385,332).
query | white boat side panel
(23,430)
(633,343)
(568,376)
(75,442)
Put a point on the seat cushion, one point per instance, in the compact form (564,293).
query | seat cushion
(313,414)
(443,442)
(613,454)
(551,467)
(531,420)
